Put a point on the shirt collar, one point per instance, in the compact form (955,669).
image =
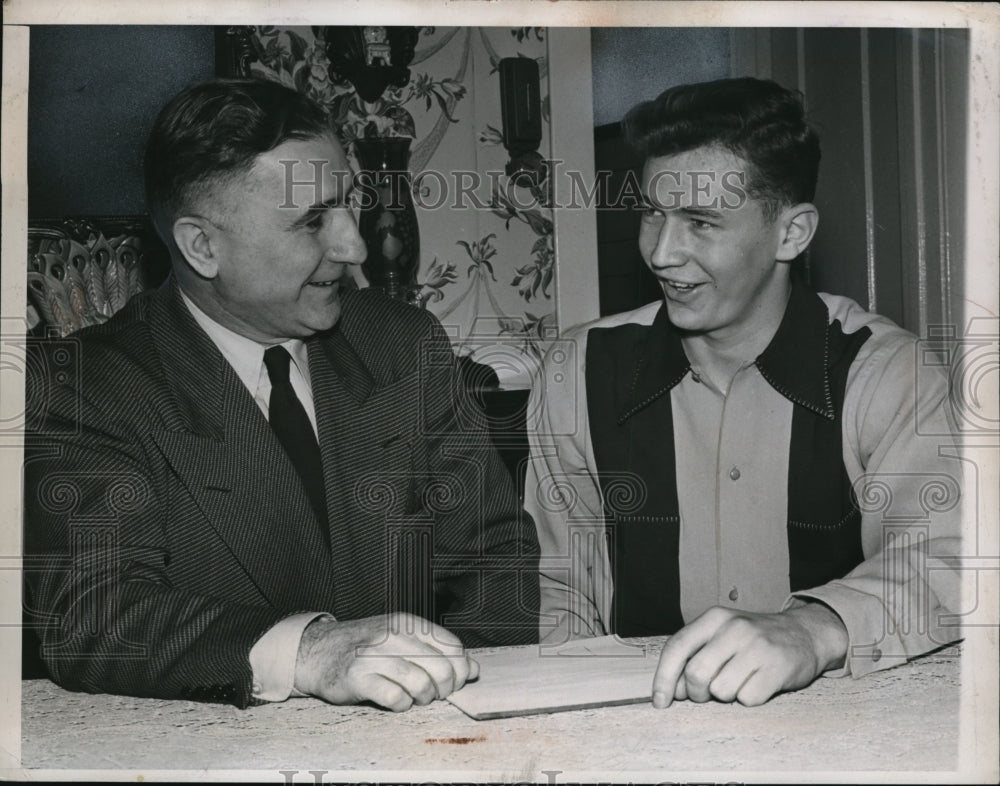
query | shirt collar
(795,363)
(245,355)
(661,364)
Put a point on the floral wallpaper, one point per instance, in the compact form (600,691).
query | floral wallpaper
(486,253)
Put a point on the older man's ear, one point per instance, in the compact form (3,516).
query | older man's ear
(196,239)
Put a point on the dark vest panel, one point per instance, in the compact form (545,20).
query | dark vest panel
(631,426)
(824,522)
(638,479)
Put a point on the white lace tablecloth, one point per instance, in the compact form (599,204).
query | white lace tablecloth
(905,718)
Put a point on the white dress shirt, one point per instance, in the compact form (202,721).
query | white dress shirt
(246,357)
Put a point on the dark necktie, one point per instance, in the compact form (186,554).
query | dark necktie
(294,431)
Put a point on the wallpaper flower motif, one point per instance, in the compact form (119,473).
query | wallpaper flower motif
(479,273)
(539,272)
(438,277)
(451,109)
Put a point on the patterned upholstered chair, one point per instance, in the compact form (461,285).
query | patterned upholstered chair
(82,270)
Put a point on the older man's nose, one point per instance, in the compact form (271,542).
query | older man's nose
(345,243)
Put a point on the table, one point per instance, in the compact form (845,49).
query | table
(899,719)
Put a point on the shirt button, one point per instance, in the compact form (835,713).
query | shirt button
(734,594)
(876,655)
(734,473)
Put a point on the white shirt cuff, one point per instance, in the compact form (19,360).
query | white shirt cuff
(273,657)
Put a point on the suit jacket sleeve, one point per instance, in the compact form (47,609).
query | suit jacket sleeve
(486,549)
(110,617)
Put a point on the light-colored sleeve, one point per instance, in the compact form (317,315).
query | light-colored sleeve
(563,496)
(899,449)
(272,658)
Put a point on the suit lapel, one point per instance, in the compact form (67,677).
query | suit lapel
(363,426)
(356,416)
(341,385)
(222,447)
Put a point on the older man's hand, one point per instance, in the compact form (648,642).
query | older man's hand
(731,655)
(395,660)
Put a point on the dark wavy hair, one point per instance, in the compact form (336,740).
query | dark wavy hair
(757,120)
(213,131)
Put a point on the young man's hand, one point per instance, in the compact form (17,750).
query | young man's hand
(396,661)
(731,655)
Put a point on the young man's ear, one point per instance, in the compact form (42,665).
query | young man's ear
(196,239)
(798,225)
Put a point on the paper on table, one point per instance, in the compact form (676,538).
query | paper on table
(595,672)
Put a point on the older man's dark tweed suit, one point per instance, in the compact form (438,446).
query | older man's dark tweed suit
(166,529)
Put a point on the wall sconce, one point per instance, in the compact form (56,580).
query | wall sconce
(521,113)
(372,57)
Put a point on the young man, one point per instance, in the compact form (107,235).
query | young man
(259,485)
(710,466)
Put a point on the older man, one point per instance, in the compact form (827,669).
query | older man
(259,485)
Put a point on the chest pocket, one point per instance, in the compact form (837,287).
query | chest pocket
(822,551)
